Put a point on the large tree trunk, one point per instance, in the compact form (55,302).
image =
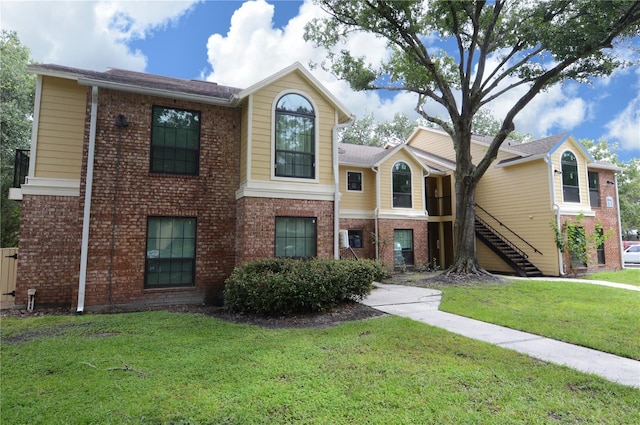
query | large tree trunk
(464,235)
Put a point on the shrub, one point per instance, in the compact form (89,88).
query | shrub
(281,286)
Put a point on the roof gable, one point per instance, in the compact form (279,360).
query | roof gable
(344,114)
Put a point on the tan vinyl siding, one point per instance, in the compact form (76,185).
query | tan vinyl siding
(583,181)
(358,201)
(60,129)
(519,197)
(262,132)
(386,183)
(434,143)
(244,140)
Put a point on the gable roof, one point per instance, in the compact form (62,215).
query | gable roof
(344,114)
(360,155)
(139,82)
(372,156)
(541,148)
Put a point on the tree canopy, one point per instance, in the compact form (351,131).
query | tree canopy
(628,182)
(462,55)
(17,89)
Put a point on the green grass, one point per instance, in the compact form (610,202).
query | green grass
(193,369)
(628,276)
(603,318)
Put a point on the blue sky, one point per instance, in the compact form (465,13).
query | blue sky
(238,43)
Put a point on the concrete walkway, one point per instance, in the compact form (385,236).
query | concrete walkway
(422,304)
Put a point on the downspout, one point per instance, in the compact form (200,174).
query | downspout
(615,179)
(556,211)
(376,212)
(84,248)
(336,189)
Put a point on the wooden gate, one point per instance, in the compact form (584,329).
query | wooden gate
(8,274)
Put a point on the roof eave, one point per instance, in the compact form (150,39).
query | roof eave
(523,160)
(601,166)
(210,100)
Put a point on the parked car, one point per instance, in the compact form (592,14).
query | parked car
(627,244)
(631,254)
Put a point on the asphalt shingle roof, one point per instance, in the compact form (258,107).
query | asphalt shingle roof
(360,155)
(140,79)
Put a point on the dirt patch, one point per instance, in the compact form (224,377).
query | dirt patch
(439,279)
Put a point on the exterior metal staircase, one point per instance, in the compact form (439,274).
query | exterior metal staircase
(505,249)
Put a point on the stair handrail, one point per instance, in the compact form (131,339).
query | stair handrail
(503,238)
(509,229)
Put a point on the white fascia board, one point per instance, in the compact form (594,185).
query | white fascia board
(357,214)
(281,190)
(404,215)
(51,187)
(15,194)
(575,210)
(521,160)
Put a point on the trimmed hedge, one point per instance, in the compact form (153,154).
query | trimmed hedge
(282,286)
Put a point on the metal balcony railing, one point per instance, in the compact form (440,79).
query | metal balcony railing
(20,167)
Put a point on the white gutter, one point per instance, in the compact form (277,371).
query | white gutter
(376,212)
(556,208)
(336,189)
(84,249)
(615,179)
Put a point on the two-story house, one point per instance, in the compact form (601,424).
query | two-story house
(147,190)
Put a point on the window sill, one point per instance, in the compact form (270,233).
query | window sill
(170,289)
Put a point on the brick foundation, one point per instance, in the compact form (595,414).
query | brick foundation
(368,249)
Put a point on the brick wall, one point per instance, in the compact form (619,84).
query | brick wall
(116,266)
(368,249)
(420,241)
(49,254)
(255,231)
(608,217)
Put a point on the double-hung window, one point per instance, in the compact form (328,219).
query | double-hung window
(175,141)
(594,189)
(570,180)
(401,175)
(171,252)
(295,133)
(354,181)
(296,237)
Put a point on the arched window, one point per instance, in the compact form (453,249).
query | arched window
(295,137)
(401,185)
(570,180)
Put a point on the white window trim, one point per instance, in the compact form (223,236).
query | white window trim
(361,181)
(316,136)
(579,179)
(412,184)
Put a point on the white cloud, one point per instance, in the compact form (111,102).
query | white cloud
(625,127)
(254,49)
(88,35)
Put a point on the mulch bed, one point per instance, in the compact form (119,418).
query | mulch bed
(346,312)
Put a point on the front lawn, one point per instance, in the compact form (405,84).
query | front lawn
(603,318)
(171,368)
(628,276)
